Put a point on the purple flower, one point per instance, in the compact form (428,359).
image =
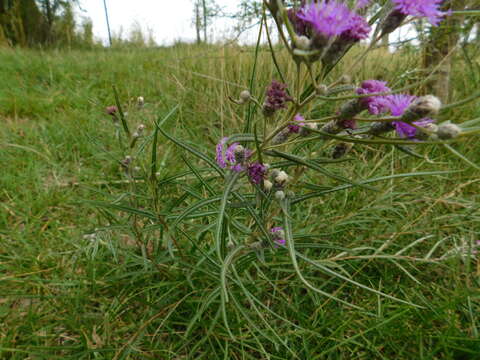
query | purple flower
(219,151)
(278,236)
(397,104)
(299,25)
(408,131)
(295,127)
(374,104)
(331,18)
(276,97)
(235,155)
(256,172)
(111,110)
(423,8)
(230,152)
(358,29)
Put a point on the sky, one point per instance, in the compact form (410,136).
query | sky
(169,20)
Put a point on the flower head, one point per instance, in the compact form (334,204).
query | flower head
(329,18)
(234,155)
(295,127)
(398,104)
(111,110)
(256,172)
(219,151)
(333,18)
(374,104)
(278,235)
(358,29)
(422,8)
(408,131)
(276,98)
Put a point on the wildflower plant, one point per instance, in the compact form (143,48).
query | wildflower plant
(247,189)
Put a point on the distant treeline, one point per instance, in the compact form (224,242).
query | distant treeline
(42,23)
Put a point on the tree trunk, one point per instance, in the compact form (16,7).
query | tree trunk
(204,20)
(440,42)
(198,23)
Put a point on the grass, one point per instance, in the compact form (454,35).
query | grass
(120,295)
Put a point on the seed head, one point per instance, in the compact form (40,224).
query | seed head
(424,106)
(140,101)
(281,178)
(448,131)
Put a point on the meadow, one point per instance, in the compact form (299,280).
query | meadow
(79,281)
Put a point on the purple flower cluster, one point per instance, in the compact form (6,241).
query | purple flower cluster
(234,155)
(256,172)
(276,98)
(330,18)
(422,8)
(397,104)
(374,104)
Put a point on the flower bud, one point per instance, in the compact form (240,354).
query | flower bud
(321,90)
(332,127)
(303,42)
(305,130)
(341,149)
(431,132)
(140,127)
(349,109)
(346,79)
(111,110)
(380,127)
(422,107)
(245,97)
(281,137)
(393,21)
(279,195)
(267,185)
(448,131)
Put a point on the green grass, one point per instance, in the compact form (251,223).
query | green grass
(121,295)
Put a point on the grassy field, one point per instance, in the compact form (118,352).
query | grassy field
(118,294)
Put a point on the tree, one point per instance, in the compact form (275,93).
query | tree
(204,12)
(438,46)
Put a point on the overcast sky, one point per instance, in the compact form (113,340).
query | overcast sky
(169,19)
